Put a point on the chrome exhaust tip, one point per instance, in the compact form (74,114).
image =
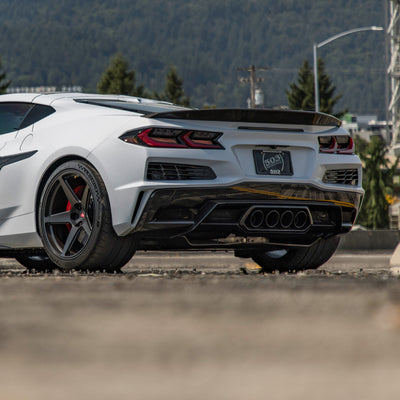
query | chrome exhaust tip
(256,219)
(287,218)
(272,219)
(276,218)
(300,219)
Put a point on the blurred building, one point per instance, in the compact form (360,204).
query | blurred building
(366,126)
(45,89)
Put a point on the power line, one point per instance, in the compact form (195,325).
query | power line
(253,80)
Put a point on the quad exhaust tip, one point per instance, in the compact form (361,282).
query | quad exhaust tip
(256,219)
(301,219)
(272,219)
(275,218)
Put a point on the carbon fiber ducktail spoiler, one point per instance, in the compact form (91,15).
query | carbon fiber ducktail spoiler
(287,117)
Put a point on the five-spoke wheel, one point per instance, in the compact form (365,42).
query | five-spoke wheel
(75,221)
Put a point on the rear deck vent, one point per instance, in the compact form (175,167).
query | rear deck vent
(341,177)
(178,172)
(269,129)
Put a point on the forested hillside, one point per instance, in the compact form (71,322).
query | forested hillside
(70,42)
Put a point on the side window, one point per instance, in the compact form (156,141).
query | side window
(35,114)
(12,115)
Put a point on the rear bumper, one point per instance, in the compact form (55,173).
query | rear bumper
(243,215)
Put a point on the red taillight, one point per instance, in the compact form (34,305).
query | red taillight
(342,144)
(173,138)
(327,144)
(202,140)
(160,138)
(345,145)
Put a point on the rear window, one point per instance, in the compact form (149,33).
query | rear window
(141,108)
(12,115)
(16,116)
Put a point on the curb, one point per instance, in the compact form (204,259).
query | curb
(379,239)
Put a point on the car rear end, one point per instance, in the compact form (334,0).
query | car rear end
(234,179)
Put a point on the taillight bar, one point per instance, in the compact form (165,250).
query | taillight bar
(341,144)
(173,138)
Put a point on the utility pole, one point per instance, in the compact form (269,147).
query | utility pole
(253,80)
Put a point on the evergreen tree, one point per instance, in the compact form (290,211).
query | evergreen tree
(174,91)
(301,95)
(4,84)
(377,183)
(118,80)
(360,146)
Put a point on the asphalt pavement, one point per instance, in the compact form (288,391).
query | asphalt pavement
(202,326)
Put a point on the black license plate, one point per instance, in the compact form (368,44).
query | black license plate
(273,162)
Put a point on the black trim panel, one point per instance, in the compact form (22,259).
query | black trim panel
(37,113)
(215,218)
(193,200)
(6,160)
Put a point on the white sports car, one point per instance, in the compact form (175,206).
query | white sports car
(86,180)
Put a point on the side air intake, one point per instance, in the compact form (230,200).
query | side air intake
(341,177)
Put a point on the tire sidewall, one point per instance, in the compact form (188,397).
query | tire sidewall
(287,262)
(298,259)
(89,174)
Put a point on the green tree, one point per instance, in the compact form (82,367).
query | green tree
(360,145)
(377,183)
(174,91)
(301,95)
(4,84)
(118,80)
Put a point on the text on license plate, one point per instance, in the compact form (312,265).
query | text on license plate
(273,162)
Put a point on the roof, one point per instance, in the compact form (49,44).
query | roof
(49,98)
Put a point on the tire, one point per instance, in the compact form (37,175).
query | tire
(38,262)
(75,221)
(322,252)
(296,258)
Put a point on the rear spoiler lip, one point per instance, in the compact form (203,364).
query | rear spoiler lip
(244,115)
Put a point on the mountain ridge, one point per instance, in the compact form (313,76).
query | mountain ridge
(70,42)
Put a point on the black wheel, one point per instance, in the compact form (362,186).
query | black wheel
(296,258)
(39,262)
(75,221)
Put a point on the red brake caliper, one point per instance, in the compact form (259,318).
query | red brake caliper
(78,191)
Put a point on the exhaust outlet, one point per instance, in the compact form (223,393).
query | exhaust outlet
(272,219)
(276,218)
(256,219)
(300,219)
(287,219)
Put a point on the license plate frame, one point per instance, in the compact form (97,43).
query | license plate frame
(273,162)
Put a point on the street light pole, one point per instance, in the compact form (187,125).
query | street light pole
(316,83)
(316,46)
